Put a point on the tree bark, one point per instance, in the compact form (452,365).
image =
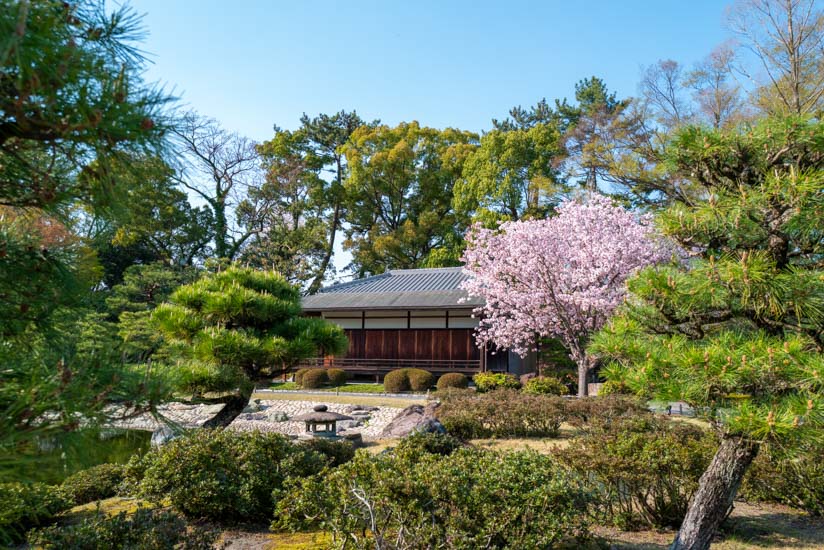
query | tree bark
(717,487)
(583,371)
(234,406)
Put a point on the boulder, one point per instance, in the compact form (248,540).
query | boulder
(163,435)
(358,408)
(414,418)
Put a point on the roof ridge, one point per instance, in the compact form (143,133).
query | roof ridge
(355,282)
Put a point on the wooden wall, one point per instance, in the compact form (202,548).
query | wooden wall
(439,344)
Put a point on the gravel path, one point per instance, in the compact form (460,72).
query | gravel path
(268,416)
(272,416)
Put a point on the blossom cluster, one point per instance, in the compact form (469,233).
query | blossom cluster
(559,277)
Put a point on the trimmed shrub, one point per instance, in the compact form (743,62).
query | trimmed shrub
(502,413)
(314,378)
(420,380)
(337,377)
(545,385)
(467,499)
(452,380)
(144,529)
(599,411)
(792,475)
(488,381)
(429,442)
(396,381)
(645,470)
(224,475)
(299,375)
(401,380)
(336,452)
(95,483)
(24,506)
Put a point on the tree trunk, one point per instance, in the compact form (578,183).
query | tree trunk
(234,406)
(221,230)
(583,371)
(716,490)
(327,256)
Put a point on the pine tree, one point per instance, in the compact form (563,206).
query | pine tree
(736,330)
(236,326)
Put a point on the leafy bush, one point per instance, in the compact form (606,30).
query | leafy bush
(467,499)
(452,380)
(488,381)
(645,468)
(336,452)
(430,442)
(24,506)
(401,380)
(95,483)
(145,529)
(791,475)
(337,377)
(396,381)
(299,375)
(420,380)
(224,475)
(502,413)
(314,378)
(599,411)
(545,385)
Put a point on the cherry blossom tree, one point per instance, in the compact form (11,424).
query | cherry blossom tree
(560,277)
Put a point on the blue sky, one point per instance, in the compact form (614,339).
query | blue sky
(252,64)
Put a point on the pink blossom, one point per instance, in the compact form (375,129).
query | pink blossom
(560,277)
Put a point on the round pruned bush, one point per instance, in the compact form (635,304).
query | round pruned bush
(502,413)
(598,411)
(791,475)
(224,475)
(299,375)
(336,452)
(420,380)
(95,483)
(144,529)
(429,442)
(452,380)
(337,377)
(643,469)
(24,506)
(396,381)
(488,381)
(403,380)
(466,499)
(314,378)
(545,385)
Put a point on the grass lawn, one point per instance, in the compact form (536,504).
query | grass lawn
(348,388)
(374,401)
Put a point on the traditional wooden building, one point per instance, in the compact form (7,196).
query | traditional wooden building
(409,318)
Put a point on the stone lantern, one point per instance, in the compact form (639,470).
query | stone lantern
(321,422)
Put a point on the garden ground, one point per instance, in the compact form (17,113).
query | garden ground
(751,527)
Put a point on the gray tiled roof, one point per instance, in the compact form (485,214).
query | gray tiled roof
(396,289)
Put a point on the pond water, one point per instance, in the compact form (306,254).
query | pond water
(77,451)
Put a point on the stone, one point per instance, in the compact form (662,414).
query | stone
(412,419)
(163,435)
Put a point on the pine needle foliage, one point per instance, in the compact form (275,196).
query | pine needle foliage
(229,328)
(737,330)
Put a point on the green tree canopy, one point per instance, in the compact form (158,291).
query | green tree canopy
(735,331)
(231,328)
(513,174)
(399,194)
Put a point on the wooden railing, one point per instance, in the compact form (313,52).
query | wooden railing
(372,366)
